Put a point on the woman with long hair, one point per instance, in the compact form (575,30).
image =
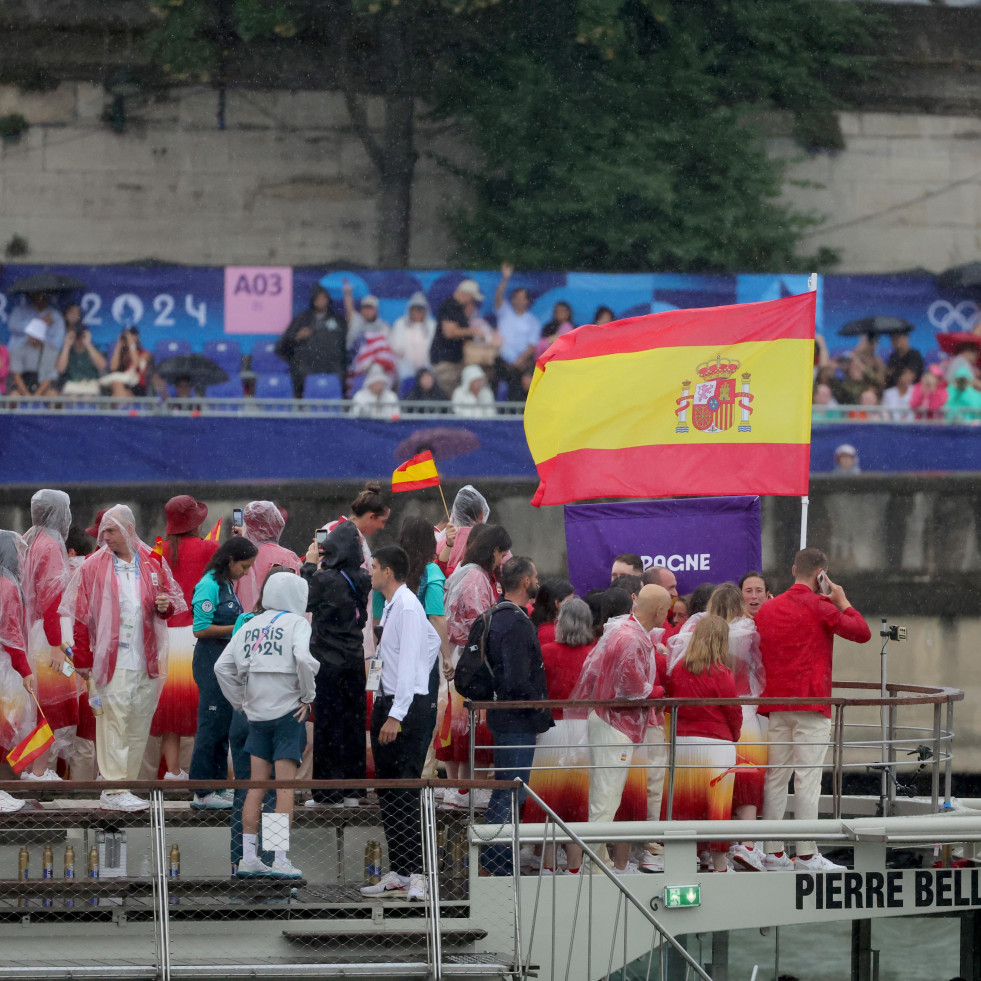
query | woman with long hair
(188,555)
(705,754)
(216,609)
(470,591)
(470,508)
(552,593)
(129,366)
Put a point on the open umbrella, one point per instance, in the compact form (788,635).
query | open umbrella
(954,341)
(963,280)
(46,282)
(875,325)
(196,367)
(444,442)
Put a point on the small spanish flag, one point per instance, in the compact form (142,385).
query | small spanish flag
(31,747)
(158,550)
(212,535)
(416,473)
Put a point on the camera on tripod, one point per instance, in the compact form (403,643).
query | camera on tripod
(892,631)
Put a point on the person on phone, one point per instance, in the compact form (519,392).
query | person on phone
(129,366)
(797,631)
(268,672)
(80,362)
(263,524)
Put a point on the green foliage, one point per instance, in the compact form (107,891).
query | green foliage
(617,134)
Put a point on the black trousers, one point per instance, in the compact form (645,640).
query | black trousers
(402,759)
(338,729)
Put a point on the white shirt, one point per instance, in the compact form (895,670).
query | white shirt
(130,655)
(408,650)
(519,330)
(892,399)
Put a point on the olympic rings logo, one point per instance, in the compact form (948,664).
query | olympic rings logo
(946,317)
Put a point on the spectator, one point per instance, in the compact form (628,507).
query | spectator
(857,378)
(264,524)
(963,400)
(216,609)
(80,363)
(363,321)
(869,396)
(552,593)
(823,396)
(620,666)
(274,689)
(903,356)
(899,396)
(338,601)
(515,659)
(426,389)
(401,720)
(846,461)
(603,315)
(452,329)
(560,324)
(627,564)
(966,355)
(797,631)
(4,368)
(372,349)
(929,394)
(519,328)
(375,399)
(472,398)
(120,599)
(865,354)
(412,336)
(36,306)
(315,342)
(34,362)
(129,366)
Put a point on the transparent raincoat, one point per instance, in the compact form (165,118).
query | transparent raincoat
(469,592)
(744,653)
(18,714)
(470,508)
(263,524)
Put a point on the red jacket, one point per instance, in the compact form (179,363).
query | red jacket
(797,631)
(563,665)
(708,721)
(194,555)
(12,638)
(45,575)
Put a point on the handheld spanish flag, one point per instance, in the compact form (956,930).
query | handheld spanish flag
(158,550)
(706,402)
(212,535)
(31,747)
(417,473)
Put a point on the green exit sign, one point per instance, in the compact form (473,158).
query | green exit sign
(679,896)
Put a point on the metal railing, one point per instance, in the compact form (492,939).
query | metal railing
(872,414)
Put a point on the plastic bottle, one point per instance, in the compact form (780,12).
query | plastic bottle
(69,871)
(372,862)
(47,872)
(23,874)
(174,873)
(95,699)
(94,871)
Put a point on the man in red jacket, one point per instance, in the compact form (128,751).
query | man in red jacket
(797,631)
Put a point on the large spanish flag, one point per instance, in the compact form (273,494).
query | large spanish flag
(682,403)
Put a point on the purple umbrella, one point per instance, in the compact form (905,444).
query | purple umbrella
(443,442)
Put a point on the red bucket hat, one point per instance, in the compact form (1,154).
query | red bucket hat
(93,532)
(184,514)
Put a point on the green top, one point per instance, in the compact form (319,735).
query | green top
(80,366)
(430,593)
(243,619)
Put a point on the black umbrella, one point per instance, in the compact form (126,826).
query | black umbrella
(876,325)
(964,280)
(195,367)
(46,282)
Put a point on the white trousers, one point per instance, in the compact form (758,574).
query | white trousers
(610,756)
(805,735)
(122,731)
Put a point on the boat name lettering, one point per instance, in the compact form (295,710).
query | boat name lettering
(889,890)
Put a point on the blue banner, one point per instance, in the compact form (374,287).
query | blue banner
(700,539)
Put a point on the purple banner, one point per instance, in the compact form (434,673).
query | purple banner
(700,539)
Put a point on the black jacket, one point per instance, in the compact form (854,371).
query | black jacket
(515,657)
(339,599)
(324,352)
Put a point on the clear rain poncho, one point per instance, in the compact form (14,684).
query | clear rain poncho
(470,508)
(18,714)
(469,592)
(263,524)
(744,654)
(92,601)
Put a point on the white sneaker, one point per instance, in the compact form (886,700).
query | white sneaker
(418,890)
(122,802)
(651,862)
(351,802)
(778,863)
(182,775)
(455,799)
(816,863)
(547,871)
(310,802)
(9,804)
(481,798)
(389,884)
(29,775)
(746,859)
(527,858)
(252,867)
(213,801)
(285,869)
(228,795)
(629,869)
(51,775)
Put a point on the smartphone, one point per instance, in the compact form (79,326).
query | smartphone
(824,584)
(238,519)
(321,536)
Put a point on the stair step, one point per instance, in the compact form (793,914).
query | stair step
(397,935)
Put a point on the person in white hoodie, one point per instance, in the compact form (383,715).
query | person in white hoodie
(375,399)
(267,672)
(472,398)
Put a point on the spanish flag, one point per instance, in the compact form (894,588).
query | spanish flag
(157,552)
(212,535)
(416,473)
(31,747)
(706,402)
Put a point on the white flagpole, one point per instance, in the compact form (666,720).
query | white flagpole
(812,285)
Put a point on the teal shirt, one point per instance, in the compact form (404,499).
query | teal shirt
(243,619)
(431,589)
(205,601)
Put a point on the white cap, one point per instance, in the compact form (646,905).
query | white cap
(370,301)
(37,329)
(847,449)
(472,288)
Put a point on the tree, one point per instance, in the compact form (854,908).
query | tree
(619,134)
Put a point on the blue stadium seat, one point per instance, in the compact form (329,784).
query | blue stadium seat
(226,354)
(407,385)
(265,360)
(273,387)
(357,382)
(322,387)
(231,389)
(170,349)
(502,391)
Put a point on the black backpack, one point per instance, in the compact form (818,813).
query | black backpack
(474,678)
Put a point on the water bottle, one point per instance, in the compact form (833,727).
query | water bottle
(69,871)
(94,866)
(47,871)
(95,699)
(23,861)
